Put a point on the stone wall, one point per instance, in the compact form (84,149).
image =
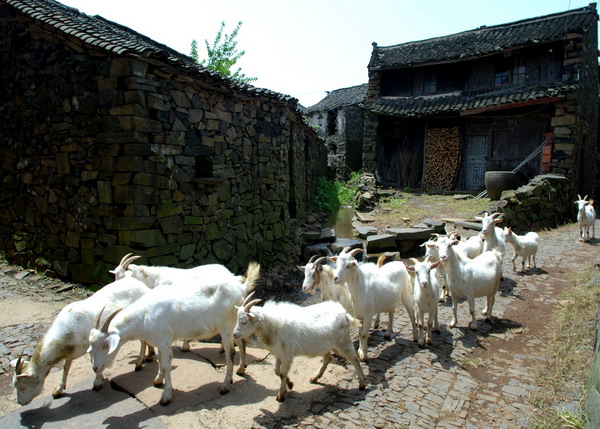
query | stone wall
(543,203)
(105,154)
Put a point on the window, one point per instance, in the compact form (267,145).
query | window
(502,78)
(429,82)
(519,71)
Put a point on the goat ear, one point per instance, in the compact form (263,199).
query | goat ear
(89,350)
(332,258)
(301,268)
(434,265)
(410,268)
(591,202)
(113,342)
(250,316)
(500,219)
(432,245)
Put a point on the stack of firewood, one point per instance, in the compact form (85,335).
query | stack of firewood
(442,153)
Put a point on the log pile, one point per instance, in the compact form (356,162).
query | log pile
(442,154)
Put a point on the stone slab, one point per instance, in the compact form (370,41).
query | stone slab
(412,234)
(365,217)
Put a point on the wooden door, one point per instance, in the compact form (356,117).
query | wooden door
(476,160)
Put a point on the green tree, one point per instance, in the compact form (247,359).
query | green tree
(223,55)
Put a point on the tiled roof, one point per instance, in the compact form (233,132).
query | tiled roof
(460,102)
(341,97)
(484,40)
(112,37)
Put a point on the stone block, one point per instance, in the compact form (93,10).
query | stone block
(381,242)
(129,223)
(63,165)
(172,226)
(222,250)
(142,238)
(365,231)
(558,121)
(127,66)
(414,234)
(338,245)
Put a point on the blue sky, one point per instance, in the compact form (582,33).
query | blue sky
(304,48)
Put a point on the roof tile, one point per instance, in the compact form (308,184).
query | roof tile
(483,40)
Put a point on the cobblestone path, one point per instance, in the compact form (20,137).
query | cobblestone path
(435,386)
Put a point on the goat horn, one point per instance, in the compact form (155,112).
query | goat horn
(249,305)
(414,260)
(346,249)
(18,366)
(354,252)
(312,258)
(124,258)
(129,261)
(585,198)
(321,260)
(247,299)
(109,319)
(98,316)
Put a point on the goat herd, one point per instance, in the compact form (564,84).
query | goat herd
(158,305)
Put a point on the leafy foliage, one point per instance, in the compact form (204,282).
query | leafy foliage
(330,195)
(223,54)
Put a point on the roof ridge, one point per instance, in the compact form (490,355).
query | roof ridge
(485,28)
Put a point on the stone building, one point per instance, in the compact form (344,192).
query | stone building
(113,143)
(443,111)
(339,119)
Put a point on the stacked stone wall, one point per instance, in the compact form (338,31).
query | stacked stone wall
(543,203)
(104,155)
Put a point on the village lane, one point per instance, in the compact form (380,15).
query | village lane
(407,386)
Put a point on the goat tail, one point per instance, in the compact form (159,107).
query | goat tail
(252,275)
(353,321)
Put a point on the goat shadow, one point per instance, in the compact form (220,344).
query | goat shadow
(80,406)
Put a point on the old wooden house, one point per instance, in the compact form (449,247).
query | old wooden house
(443,111)
(111,142)
(339,119)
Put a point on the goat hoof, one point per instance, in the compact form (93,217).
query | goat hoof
(57,394)
(241,370)
(96,388)
(280,398)
(290,385)
(157,383)
(164,402)
(362,386)
(138,368)
(314,379)
(224,390)
(387,336)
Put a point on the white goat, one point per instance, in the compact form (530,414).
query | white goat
(68,338)
(288,330)
(471,247)
(426,293)
(317,274)
(158,276)
(586,217)
(493,235)
(470,278)
(374,290)
(526,246)
(164,314)
(432,253)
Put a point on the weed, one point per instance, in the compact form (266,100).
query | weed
(568,353)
